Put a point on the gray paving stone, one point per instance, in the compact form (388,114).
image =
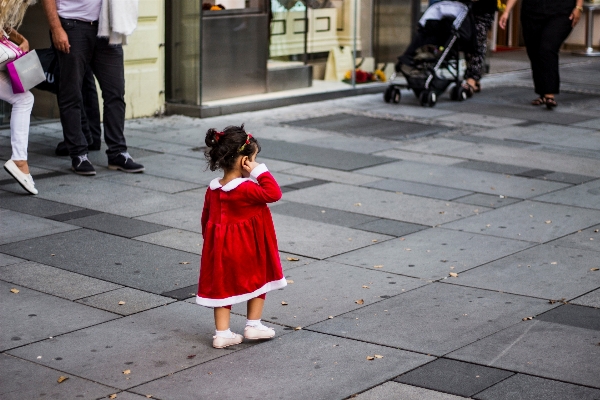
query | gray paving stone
(130,396)
(15,227)
(383,204)
(492,167)
(544,157)
(317,156)
(34,205)
(395,390)
(498,142)
(123,261)
(148,181)
(187,218)
(419,157)
(347,143)
(277,165)
(465,179)
(586,195)
(284,179)
(321,214)
(351,178)
(190,170)
(319,240)
(290,134)
(574,179)
(54,281)
(178,239)
(526,387)
(150,344)
(304,184)
(455,377)
(117,225)
(546,271)
(390,227)
(592,124)
(82,213)
(409,108)
(323,289)
(188,292)
(135,301)
(100,195)
(547,133)
(372,126)
(479,119)
(544,349)
(418,189)
(591,299)
(467,315)
(325,367)
(487,200)
(29,316)
(5,259)
(573,315)
(433,253)
(26,380)
(527,220)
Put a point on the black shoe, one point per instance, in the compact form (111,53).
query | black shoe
(125,163)
(82,166)
(61,149)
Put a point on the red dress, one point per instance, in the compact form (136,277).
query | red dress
(240,259)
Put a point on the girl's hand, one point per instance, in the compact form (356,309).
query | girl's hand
(24,45)
(248,166)
(503,20)
(575,15)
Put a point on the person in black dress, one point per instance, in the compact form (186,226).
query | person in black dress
(546,24)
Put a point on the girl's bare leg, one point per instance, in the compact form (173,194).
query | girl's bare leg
(255,308)
(222,318)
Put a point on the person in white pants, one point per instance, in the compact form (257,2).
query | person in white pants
(11,16)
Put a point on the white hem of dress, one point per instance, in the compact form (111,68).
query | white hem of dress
(273,285)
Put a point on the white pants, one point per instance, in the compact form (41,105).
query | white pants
(22,103)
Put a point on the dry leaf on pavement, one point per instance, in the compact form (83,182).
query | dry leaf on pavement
(548,222)
(61,379)
(127,372)
(184,262)
(377,266)
(289,281)
(121,303)
(292,259)
(283,303)
(13,290)
(527,318)
(113,396)
(365,287)
(370,358)
(297,328)
(191,356)
(360,301)
(454,274)
(378,356)
(594,269)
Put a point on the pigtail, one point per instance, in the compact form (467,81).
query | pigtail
(223,147)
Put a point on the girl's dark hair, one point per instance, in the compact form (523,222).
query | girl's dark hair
(224,147)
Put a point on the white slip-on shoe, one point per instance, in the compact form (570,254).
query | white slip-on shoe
(262,332)
(25,180)
(220,342)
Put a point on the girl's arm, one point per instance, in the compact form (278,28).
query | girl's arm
(205,211)
(19,39)
(267,190)
(504,17)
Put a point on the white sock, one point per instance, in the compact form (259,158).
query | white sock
(225,334)
(255,323)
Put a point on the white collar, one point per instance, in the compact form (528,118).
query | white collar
(214,184)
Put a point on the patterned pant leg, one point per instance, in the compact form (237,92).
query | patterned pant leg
(483,23)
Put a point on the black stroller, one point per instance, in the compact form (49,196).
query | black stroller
(431,62)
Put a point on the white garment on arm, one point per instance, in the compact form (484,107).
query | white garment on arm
(83,10)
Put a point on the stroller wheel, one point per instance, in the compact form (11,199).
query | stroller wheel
(387,95)
(396,96)
(431,99)
(462,94)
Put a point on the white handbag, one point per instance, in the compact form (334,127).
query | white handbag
(8,52)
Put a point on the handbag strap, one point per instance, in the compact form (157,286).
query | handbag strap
(8,43)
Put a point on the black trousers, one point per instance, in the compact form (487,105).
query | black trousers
(106,63)
(90,121)
(546,25)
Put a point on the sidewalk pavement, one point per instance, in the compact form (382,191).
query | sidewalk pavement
(432,253)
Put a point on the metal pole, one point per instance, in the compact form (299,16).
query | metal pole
(305,32)
(354,49)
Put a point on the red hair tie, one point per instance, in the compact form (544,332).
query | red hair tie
(248,137)
(218,135)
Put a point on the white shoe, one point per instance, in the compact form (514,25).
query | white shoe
(25,180)
(260,332)
(219,342)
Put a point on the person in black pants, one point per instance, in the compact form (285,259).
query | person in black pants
(74,29)
(546,24)
(483,12)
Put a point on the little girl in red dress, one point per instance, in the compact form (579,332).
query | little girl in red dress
(240,260)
